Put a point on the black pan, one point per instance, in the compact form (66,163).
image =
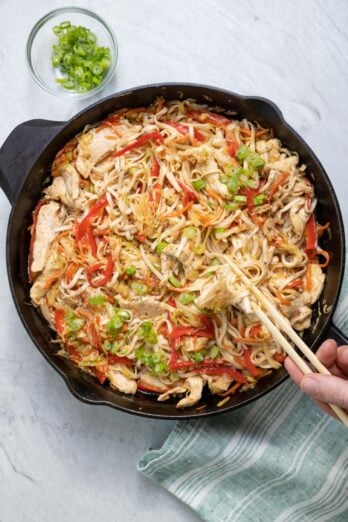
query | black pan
(25,160)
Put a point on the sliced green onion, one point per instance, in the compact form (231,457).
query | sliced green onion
(114,325)
(233,184)
(174,281)
(240,199)
(131,270)
(215,262)
(214,352)
(200,184)
(79,58)
(198,357)
(161,246)
(123,314)
(257,162)
(139,288)
(95,300)
(187,298)
(148,333)
(219,230)
(243,152)
(190,232)
(230,206)
(76,324)
(199,250)
(259,199)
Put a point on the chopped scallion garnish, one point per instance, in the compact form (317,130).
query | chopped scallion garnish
(174,281)
(199,184)
(96,300)
(79,58)
(139,288)
(131,270)
(161,246)
(186,298)
(240,199)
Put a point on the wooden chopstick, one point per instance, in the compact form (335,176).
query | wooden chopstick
(284,325)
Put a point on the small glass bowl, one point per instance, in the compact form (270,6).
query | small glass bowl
(42,37)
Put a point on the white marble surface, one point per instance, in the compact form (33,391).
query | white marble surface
(61,460)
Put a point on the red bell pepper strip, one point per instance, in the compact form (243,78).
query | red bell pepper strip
(86,222)
(231,147)
(148,136)
(191,331)
(209,117)
(189,195)
(311,234)
(183,129)
(255,330)
(250,365)
(101,372)
(106,273)
(250,194)
(116,359)
(91,240)
(155,195)
(295,283)
(172,302)
(140,237)
(74,354)
(155,168)
(59,320)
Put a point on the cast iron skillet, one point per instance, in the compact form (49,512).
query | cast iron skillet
(25,160)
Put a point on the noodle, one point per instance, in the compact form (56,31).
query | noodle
(127,258)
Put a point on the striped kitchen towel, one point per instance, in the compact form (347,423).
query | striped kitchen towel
(278,459)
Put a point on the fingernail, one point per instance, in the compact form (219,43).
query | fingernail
(310,385)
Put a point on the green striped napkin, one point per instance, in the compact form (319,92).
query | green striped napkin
(279,459)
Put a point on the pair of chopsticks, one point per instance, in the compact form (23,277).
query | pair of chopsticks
(283,325)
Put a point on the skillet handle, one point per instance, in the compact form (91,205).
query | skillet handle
(334,333)
(20,150)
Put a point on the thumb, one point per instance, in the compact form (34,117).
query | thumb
(326,388)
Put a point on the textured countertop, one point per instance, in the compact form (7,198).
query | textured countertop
(61,460)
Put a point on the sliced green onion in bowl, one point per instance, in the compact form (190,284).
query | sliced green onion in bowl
(79,57)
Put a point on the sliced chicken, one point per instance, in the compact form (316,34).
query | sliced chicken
(152,382)
(53,269)
(119,379)
(218,384)
(284,165)
(195,388)
(66,187)
(318,279)
(48,220)
(299,316)
(144,308)
(63,157)
(178,390)
(298,217)
(93,146)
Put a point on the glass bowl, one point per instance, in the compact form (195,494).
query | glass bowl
(42,37)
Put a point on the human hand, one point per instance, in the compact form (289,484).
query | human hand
(325,389)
